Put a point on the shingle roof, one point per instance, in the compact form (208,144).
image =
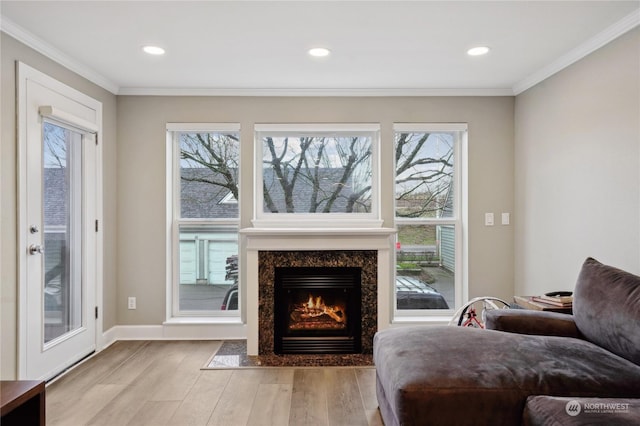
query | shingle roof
(55,194)
(329,181)
(200,199)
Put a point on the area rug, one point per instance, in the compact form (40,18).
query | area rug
(233,354)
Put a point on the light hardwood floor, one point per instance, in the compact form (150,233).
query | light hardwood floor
(161,383)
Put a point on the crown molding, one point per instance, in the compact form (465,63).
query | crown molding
(300,92)
(611,33)
(621,27)
(36,43)
(14,30)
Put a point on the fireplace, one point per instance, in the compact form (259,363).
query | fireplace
(317,310)
(370,249)
(270,261)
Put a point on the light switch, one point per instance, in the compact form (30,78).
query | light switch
(505,218)
(488,219)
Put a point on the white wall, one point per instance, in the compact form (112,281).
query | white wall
(577,169)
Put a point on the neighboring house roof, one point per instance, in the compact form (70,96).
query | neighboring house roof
(328,179)
(201,199)
(55,195)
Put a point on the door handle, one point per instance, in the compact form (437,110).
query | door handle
(36,249)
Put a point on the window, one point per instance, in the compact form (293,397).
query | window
(205,164)
(62,182)
(428,216)
(308,172)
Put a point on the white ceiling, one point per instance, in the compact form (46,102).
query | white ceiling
(401,47)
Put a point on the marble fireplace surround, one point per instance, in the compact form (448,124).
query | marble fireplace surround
(259,241)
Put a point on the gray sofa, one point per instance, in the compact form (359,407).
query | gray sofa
(455,376)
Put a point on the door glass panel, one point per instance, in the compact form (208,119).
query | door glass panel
(62,191)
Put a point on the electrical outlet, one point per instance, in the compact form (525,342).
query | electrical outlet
(132,303)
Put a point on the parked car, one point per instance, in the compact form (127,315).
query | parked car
(411,293)
(230,301)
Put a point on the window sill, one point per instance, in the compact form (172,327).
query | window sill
(436,319)
(203,320)
(334,222)
(322,231)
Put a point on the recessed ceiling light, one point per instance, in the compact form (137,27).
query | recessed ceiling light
(319,51)
(153,50)
(478,51)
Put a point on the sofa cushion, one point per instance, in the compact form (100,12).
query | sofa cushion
(606,308)
(434,375)
(567,411)
(532,322)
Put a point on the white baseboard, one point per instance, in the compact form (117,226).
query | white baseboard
(176,331)
(107,339)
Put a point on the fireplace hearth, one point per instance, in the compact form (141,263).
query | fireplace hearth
(317,310)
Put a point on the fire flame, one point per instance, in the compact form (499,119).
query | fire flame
(315,303)
(315,307)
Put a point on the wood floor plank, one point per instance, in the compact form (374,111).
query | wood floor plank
(234,405)
(308,398)
(344,402)
(179,381)
(367,385)
(373,417)
(127,373)
(77,381)
(278,376)
(76,412)
(366,378)
(124,407)
(271,405)
(154,413)
(197,406)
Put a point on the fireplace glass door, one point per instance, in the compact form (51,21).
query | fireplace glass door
(317,310)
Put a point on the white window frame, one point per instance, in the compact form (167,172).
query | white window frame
(459,220)
(264,219)
(174,222)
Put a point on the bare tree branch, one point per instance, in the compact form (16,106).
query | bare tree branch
(328,172)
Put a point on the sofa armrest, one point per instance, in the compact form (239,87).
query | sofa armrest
(541,323)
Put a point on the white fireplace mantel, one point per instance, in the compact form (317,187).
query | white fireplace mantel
(318,238)
(255,240)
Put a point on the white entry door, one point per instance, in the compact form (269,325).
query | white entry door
(58,228)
